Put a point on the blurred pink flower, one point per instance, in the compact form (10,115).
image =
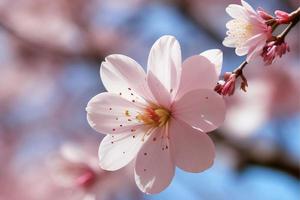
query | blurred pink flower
(269,97)
(79,171)
(247,31)
(158,119)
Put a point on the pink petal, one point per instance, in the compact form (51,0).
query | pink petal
(197,72)
(109,113)
(254,40)
(162,96)
(154,167)
(192,150)
(255,51)
(164,61)
(124,76)
(215,56)
(116,151)
(203,109)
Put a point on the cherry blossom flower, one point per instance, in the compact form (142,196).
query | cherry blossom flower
(158,120)
(247,31)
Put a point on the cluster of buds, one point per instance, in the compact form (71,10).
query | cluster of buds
(276,46)
(226,86)
(274,49)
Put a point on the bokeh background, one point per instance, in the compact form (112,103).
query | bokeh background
(50,53)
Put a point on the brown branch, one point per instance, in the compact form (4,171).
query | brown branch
(248,156)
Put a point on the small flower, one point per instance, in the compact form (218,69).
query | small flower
(282,17)
(158,120)
(274,49)
(247,31)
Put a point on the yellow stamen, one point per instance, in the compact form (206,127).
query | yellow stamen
(127,113)
(154,116)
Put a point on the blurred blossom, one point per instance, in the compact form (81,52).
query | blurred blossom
(44,20)
(272,94)
(78,170)
(245,114)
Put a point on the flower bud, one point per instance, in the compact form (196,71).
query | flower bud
(274,49)
(263,14)
(282,17)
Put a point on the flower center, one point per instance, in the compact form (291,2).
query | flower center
(240,31)
(154,116)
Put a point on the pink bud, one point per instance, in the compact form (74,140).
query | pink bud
(227,75)
(264,14)
(282,17)
(227,86)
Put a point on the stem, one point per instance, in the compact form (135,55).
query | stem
(239,70)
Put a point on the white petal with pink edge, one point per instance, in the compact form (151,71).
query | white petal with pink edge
(215,56)
(124,76)
(164,61)
(109,113)
(117,150)
(192,150)
(154,167)
(197,72)
(203,109)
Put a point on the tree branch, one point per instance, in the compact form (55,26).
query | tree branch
(279,160)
